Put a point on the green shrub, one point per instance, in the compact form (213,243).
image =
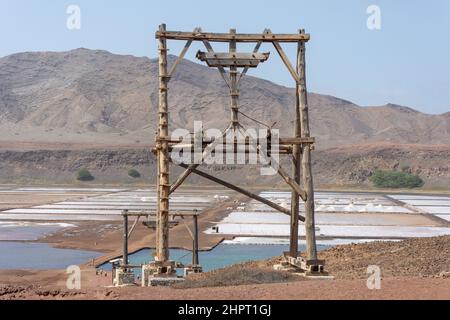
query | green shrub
(84,175)
(395,180)
(133,173)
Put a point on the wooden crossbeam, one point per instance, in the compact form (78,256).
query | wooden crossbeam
(227,37)
(233,56)
(190,148)
(282,141)
(239,60)
(144,213)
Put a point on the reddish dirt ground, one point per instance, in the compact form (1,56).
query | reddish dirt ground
(391,288)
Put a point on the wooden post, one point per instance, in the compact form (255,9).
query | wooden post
(162,223)
(195,261)
(125,238)
(234,92)
(296,165)
(306,168)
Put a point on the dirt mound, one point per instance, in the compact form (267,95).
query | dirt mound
(241,274)
(423,258)
(428,257)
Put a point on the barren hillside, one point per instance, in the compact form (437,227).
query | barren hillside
(86,96)
(55,106)
(342,166)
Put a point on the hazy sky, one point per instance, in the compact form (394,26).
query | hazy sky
(407,62)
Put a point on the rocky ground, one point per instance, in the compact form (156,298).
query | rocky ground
(414,258)
(420,258)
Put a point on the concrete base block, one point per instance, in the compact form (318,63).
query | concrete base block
(159,274)
(147,273)
(300,268)
(124,278)
(317,276)
(164,281)
(285,268)
(167,268)
(192,270)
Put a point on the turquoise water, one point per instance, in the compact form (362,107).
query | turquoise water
(40,256)
(222,256)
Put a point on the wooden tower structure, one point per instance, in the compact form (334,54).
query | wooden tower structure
(299,146)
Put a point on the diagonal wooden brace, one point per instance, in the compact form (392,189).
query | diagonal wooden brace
(243,191)
(181,56)
(291,182)
(192,167)
(222,71)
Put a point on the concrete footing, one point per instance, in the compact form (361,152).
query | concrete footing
(192,270)
(124,278)
(147,272)
(301,267)
(317,276)
(156,281)
(158,274)
(284,267)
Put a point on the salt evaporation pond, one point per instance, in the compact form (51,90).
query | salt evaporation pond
(28,231)
(17,254)
(40,256)
(222,256)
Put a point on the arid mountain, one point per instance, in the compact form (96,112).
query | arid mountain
(86,96)
(60,112)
